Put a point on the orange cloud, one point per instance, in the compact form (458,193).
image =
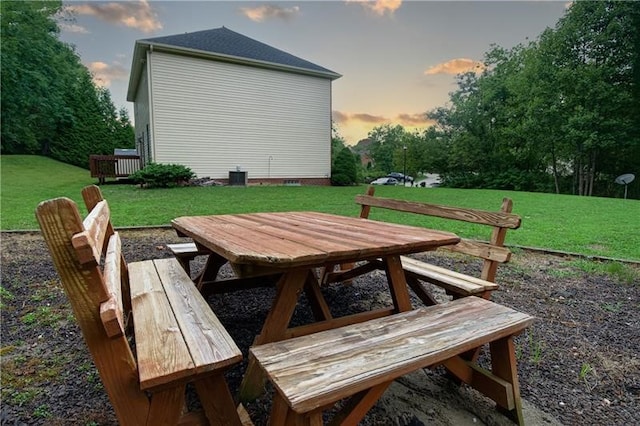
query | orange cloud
(103,73)
(415,120)
(138,15)
(412,120)
(379,7)
(261,13)
(343,118)
(456,66)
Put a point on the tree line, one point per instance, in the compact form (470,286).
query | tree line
(50,104)
(559,114)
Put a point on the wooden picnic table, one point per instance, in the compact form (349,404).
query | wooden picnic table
(292,245)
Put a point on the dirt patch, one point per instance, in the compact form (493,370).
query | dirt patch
(578,364)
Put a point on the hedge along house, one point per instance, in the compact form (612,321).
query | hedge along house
(216,101)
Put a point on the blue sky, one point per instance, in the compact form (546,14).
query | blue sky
(398,59)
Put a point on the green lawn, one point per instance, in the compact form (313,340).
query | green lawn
(588,225)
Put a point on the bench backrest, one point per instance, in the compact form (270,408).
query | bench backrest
(493,252)
(87,256)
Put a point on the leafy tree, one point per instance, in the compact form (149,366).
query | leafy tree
(50,105)
(386,146)
(558,114)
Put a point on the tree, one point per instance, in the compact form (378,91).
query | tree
(558,114)
(50,105)
(386,146)
(344,171)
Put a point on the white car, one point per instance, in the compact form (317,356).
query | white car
(385,181)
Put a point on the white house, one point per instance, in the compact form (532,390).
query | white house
(217,100)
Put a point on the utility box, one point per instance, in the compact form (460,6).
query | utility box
(238,178)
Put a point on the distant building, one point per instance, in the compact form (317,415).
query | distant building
(216,100)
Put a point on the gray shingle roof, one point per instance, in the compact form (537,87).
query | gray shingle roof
(223,41)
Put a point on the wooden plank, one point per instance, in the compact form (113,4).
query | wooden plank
(485,251)
(446,277)
(111,311)
(242,242)
(89,243)
(162,354)
(369,230)
(186,249)
(210,345)
(500,219)
(363,355)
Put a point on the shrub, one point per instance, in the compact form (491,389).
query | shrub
(156,175)
(344,170)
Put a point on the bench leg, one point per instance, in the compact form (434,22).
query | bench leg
(500,384)
(166,406)
(359,405)
(217,401)
(504,365)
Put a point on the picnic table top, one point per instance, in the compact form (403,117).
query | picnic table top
(290,239)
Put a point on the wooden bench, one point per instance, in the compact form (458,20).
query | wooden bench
(454,283)
(177,338)
(183,252)
(311,373)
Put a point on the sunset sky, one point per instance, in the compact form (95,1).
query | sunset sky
(398,59)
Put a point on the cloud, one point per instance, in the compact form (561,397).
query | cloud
(104,74)
(379,7)
(416,120)
(267,11)
(343,118)
(456,66)
(73,28)
(138,15)
(412,120)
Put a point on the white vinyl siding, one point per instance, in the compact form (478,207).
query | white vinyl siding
(214,116)
(141,116)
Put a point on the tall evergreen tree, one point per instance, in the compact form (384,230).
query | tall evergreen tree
(50,105)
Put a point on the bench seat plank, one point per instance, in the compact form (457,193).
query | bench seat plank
(452,281)
(162,353)
(210,345)
(177,335)
(316,370)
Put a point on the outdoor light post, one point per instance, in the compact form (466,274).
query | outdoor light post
(404,167)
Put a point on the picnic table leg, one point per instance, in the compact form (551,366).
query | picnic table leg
(319,306)
(287,293)
(397,283)
(210,271)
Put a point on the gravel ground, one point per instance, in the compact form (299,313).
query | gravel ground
(578,364)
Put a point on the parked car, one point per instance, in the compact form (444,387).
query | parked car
(400,177)
(385,181)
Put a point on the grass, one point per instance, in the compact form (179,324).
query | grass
(586,225)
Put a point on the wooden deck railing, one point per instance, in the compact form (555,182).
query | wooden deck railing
(114,166)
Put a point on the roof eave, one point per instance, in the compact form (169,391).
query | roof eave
(143,46)
(137,63)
